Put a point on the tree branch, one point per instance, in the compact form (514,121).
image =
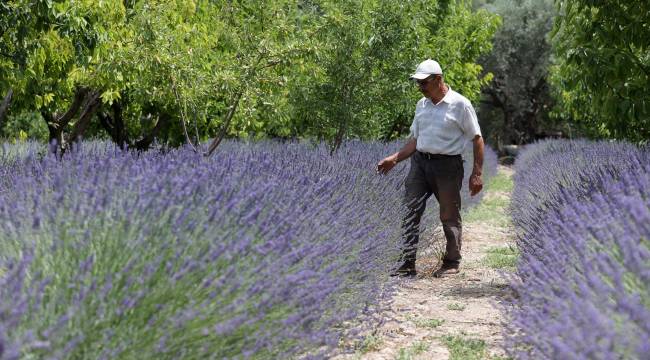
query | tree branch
(224,127)
(182,108)
(91,105)
(231,112)
(496,101)
(637,61)
(106,122)
(79,96)
(114,125)
(144,143)
(4,107)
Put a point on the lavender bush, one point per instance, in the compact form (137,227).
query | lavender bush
(549,169)
(264,250)
(583,279)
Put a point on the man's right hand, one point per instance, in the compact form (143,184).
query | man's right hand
(386,164)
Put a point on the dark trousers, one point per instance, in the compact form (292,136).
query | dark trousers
(442,176)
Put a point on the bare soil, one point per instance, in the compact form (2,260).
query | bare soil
(466,304)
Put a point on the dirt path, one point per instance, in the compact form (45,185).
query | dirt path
(432,318)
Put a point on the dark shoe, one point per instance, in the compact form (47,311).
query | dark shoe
(405,270)
(403,273)
(446,270)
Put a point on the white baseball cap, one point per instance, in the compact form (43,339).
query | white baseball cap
(426,68)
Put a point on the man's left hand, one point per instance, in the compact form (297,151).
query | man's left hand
(475,184)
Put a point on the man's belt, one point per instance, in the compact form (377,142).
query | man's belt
(430,156)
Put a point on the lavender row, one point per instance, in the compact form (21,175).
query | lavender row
(583,278)
(261,251)
(549,169)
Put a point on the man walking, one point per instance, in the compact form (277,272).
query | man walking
(444,122)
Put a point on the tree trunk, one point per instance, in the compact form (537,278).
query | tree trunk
(79,96)
(91,105)
(4,107)
(54,130)
(502,104)
(224,127)
(338,138)
(114,125)
(56,124)
(144,143)
(343,123)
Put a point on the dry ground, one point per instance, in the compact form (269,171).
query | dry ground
(454,317)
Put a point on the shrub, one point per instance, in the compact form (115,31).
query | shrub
(583,275)
(549,170)
(262,251)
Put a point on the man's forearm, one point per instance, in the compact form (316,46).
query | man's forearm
(406,151)
(478,156)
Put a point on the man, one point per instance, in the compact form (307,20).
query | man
(444,122)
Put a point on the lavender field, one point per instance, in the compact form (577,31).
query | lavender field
(264,250)
(582,213)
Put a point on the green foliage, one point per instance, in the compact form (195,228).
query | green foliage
(412,351)
(464,348)
(456,307)
(426,323)
(369,343)
(502,257)
(186,70)
(516,103)
(23,126)
(603,67)
(358,85)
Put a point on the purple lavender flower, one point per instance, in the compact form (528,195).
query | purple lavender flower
(582,279)
(263,250)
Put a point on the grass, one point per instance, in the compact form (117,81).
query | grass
(463,348)
(369,343)
(425,323)
(410,352)
(501,257)
(456,307)
(493,209)
(500,182)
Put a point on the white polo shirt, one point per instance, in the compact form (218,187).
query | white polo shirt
(446,127)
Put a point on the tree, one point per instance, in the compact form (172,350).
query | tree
(47,46)
(359,83)
(260,41)
(602,73)
(186,70)
(515,105)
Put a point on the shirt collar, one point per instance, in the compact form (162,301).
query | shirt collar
(445,99)
(448,95)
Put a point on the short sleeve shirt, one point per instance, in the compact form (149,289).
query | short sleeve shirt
(446,127)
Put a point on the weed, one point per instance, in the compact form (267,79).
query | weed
(464,348)
(425,323)
(370,343)
(410,352)
(456,307)
(501,257)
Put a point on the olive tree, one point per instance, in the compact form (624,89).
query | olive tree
(515,105)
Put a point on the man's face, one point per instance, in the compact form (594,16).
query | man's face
(428,86)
